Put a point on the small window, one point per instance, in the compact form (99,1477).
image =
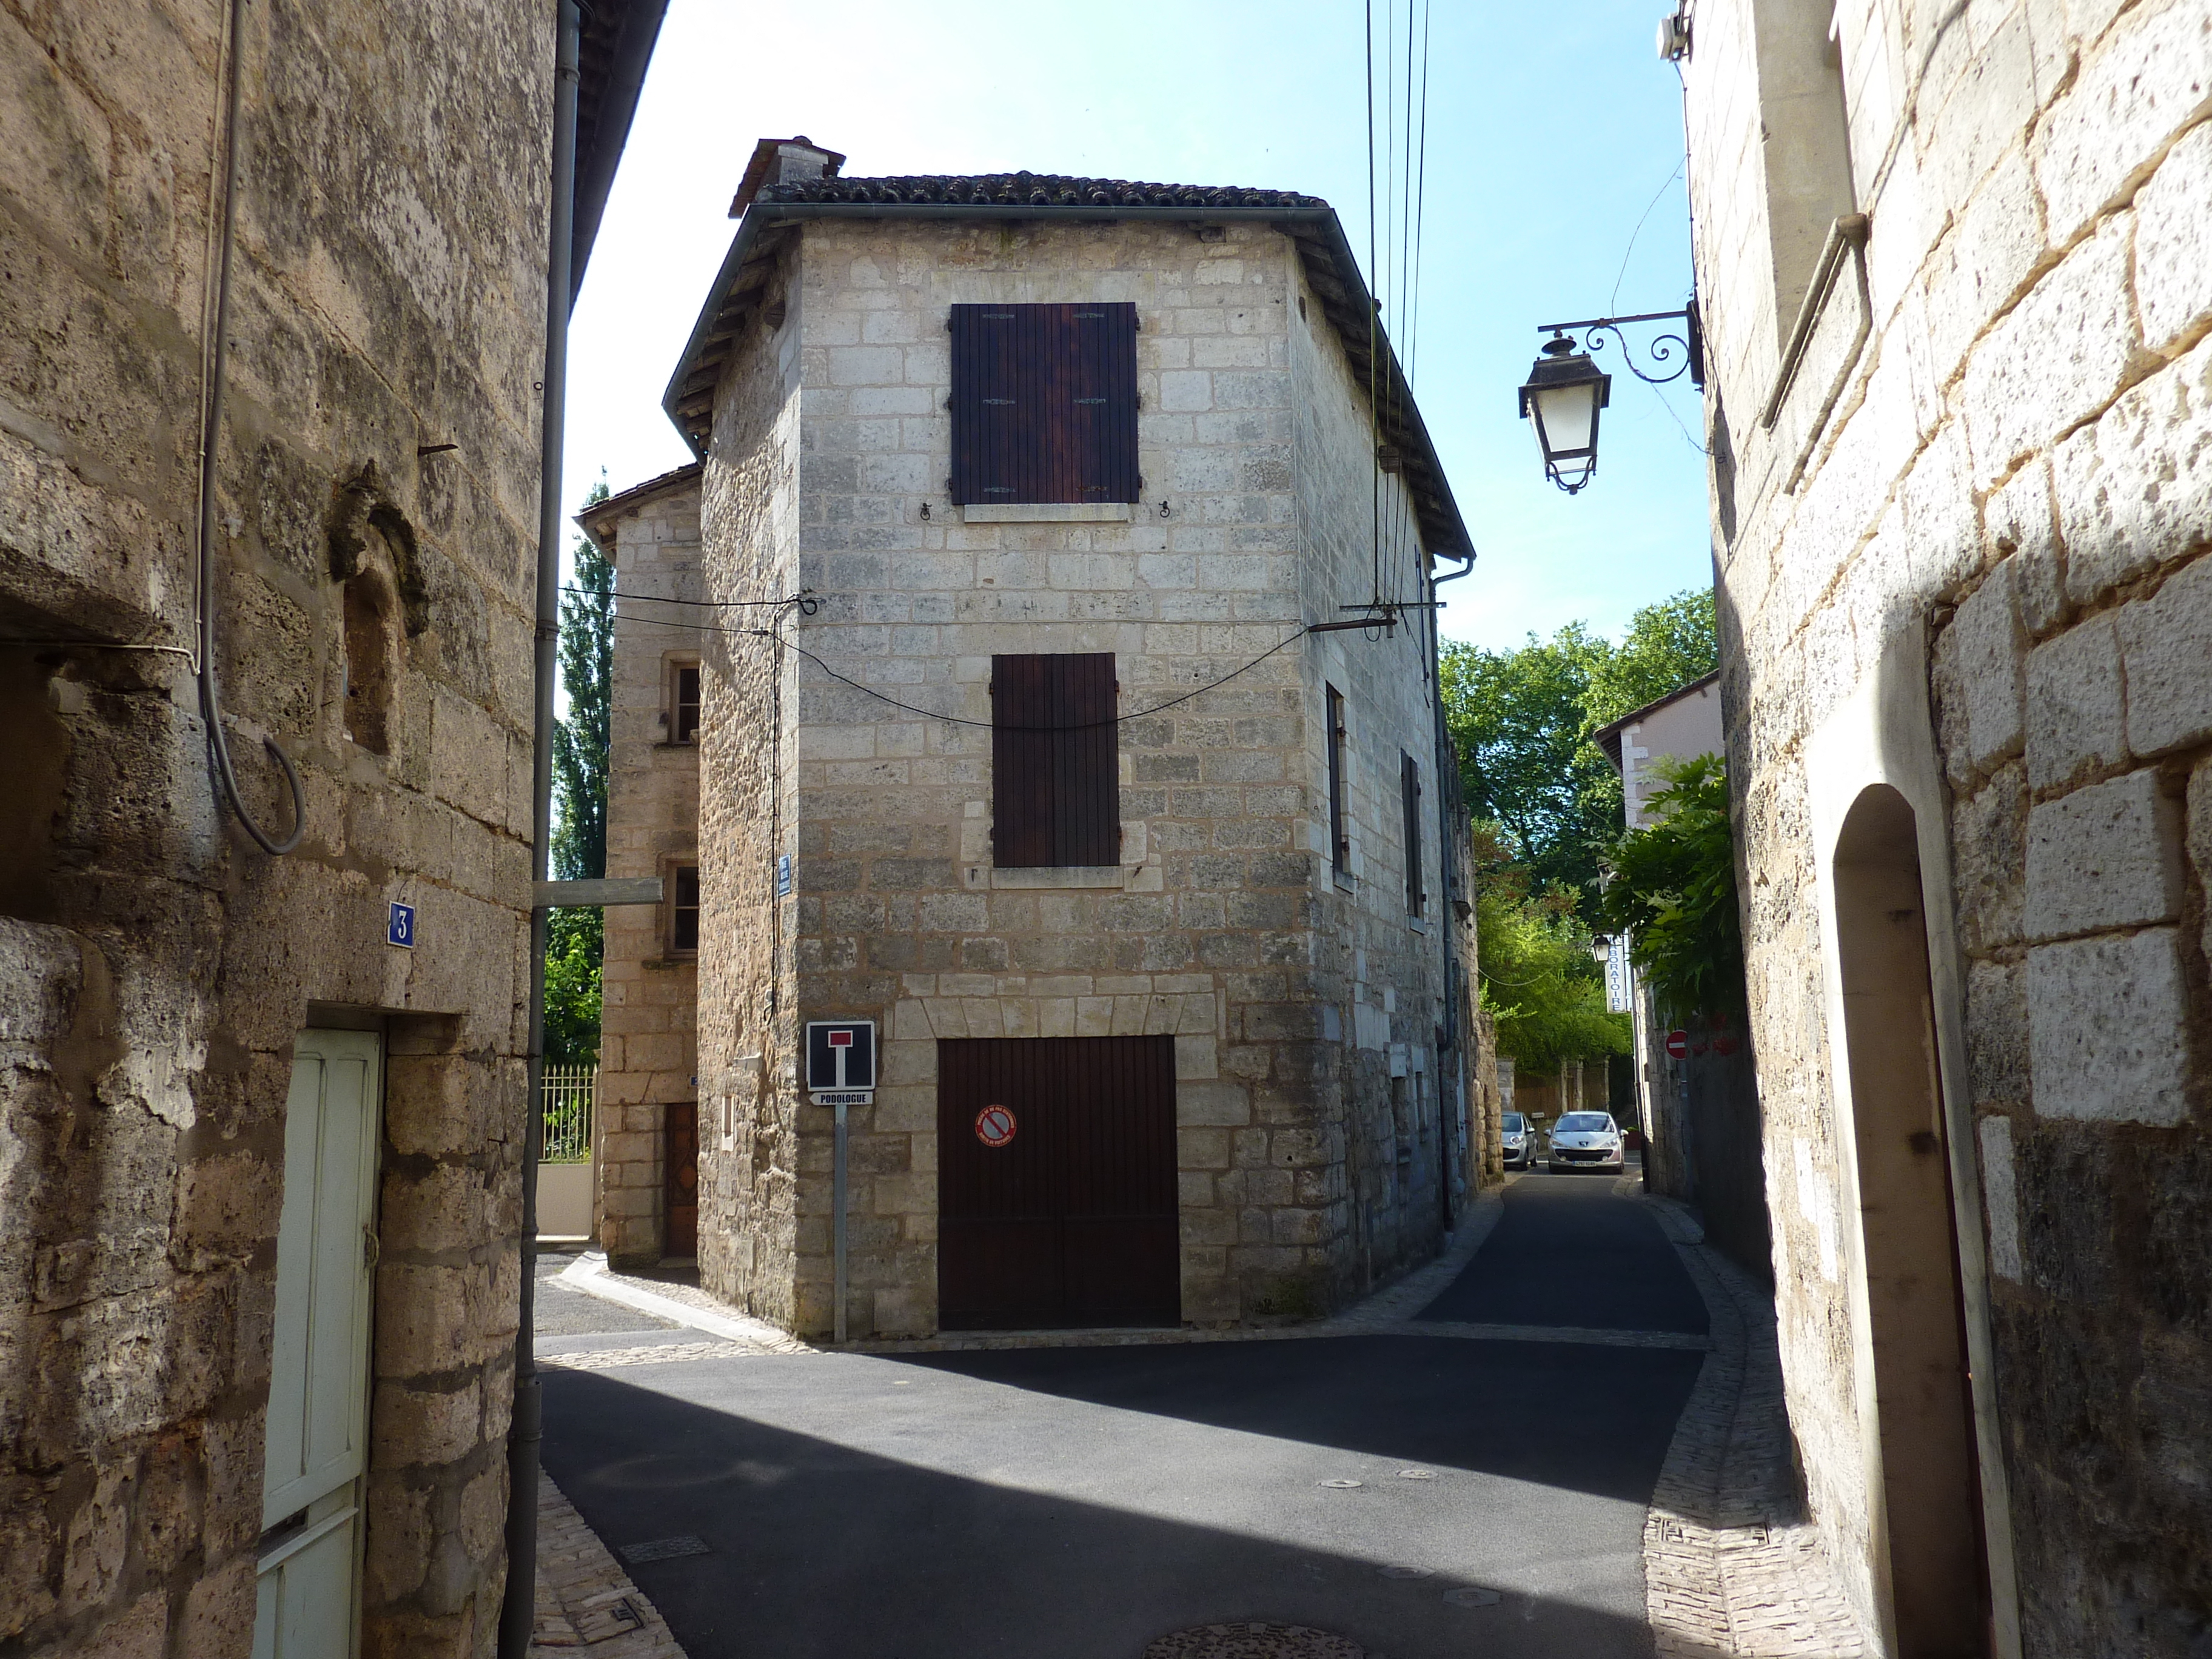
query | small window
(684,910)
(1340,842)
(369,649)
(1044,404)
(683,712)
(1409,794)
(1055,769)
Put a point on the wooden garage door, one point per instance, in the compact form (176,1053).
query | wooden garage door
(1071,1221)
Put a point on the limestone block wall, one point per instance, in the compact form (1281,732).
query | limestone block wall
(154,966)
(649,1045)
(1967,558)
(1219,925)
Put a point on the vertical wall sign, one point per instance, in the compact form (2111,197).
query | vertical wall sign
(783,875)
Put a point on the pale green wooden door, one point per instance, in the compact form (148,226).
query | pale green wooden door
(318,1425)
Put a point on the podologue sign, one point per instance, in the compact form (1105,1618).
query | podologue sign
(841,1059)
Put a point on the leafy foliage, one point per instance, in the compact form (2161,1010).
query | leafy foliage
(579,743)
(1521,720)
(1538,980)
(575,941)
(575,938)
(1673,887)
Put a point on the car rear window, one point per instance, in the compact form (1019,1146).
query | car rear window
(1585,1123)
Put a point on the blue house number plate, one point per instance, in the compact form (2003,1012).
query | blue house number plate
(400,930)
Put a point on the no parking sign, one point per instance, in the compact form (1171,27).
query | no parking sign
(994,1126)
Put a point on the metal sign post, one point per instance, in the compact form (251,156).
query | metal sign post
(840,1072)
(837,1223)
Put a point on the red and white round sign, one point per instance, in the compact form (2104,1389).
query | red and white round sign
(1677,1044)
(994,1126)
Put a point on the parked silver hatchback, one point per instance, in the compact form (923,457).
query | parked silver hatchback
(1585,1140)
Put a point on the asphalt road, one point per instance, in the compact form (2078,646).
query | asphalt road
(1075,1503)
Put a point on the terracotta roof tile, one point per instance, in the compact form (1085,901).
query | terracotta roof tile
(1033,190)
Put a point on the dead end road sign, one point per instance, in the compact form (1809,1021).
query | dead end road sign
(841,1059)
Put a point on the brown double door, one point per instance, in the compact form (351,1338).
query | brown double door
(1069,1219)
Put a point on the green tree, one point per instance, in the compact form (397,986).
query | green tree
(1538,982)
(579,742)
(575,938)
(1673,889)
(1523,720)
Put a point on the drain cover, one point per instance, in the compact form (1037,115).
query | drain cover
(663,1549)
(1417,1474)
(1254,1642)
(1343,1485)
(1472,1596)
(1406,1572)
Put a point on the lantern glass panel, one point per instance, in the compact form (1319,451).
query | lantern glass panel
(1568,416)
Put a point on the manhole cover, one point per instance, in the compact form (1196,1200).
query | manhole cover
(1406,1572)
(1254,1642)
(1417,1474)
(1343,1485)
(662,1549)
(1472,1596)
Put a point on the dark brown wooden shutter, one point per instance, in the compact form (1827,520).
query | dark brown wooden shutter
(1044,404)
(1409,790)
(1021,761)
(1086,783)
(1339,841)
(1055,773)
(1098,461)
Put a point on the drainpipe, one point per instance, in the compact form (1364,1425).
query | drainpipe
(519,1612)
(1455,1026)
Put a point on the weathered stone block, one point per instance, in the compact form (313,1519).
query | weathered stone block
(2165,647)
(2104,857)
(2173,278)
(2135,488)
(2076,720)
(1989,837)
(2000,1197)
(2103,1014)
(1992,662)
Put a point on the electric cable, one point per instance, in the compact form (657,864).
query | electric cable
(213,362)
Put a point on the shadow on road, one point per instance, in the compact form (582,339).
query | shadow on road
(915,1508)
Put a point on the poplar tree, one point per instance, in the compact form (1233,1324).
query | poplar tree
(575,938)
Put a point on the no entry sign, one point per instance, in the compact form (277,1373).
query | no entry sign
(1677,1044)
(994,1126)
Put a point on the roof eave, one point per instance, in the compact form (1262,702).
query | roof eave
(1451,538)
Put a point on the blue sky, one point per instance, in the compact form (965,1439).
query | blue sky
(1550,128)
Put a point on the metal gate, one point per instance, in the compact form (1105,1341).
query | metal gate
(1059,1209)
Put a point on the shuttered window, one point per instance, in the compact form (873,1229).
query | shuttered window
(1409,791)
(1055,778)
(1340,838)
(1044,404)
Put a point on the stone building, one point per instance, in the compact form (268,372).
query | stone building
(1957,287)
(648,1011)
(1700,1109)
(1015,742)
(261,1133)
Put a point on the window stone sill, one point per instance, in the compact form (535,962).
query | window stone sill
(1047,512)
(1071,877)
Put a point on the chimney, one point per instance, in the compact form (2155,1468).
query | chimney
(783,161)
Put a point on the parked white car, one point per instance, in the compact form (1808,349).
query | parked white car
(1585,1140)
(1517,1139)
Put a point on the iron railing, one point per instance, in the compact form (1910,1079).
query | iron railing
(571,1093)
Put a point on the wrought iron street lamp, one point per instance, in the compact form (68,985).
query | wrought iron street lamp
(1600,949)
(1565,393)
(1566,388)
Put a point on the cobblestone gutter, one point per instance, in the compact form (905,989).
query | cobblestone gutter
(584,1598)
(1731,1565)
